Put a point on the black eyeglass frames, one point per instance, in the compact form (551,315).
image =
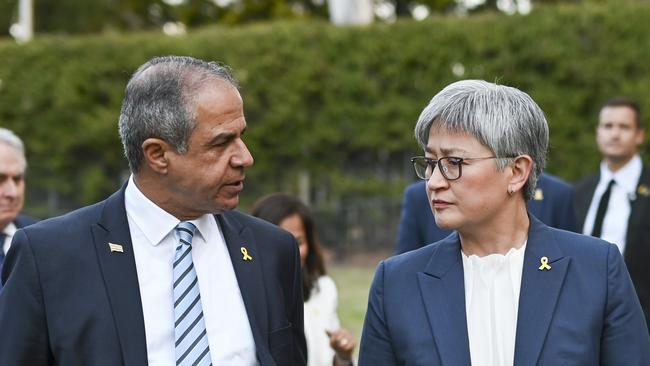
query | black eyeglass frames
(451,167)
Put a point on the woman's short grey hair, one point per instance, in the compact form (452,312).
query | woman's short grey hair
(10,139)
(504,119)
(159,102)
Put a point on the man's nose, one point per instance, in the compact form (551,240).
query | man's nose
(8,188)
(243,157)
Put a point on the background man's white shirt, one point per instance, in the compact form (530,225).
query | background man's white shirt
(614,228)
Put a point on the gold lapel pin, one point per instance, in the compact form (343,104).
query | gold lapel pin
(115,248)
(539,195)
(545,265)
(245,257)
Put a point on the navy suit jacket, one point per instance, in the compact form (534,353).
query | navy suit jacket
(20,222)
(69,300)
(552,203)
(637,242)
(581,312)
(24,220)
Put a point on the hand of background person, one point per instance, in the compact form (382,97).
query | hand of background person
(343,344)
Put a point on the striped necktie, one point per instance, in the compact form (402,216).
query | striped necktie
(190,335)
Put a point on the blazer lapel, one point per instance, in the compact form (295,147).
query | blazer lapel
(540,290)
(121,279)
(583,196)
(443,293)
(250,279)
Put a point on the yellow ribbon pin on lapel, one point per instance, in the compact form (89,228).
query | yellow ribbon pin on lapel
(245,257)
(545,265)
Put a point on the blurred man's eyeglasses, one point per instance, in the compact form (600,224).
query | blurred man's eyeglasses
(451,167)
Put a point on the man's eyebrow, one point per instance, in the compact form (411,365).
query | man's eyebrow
(222,137)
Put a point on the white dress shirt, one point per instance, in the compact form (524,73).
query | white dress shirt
(154,241)
(9,231)
(618,210)
(492,285)
(320,315)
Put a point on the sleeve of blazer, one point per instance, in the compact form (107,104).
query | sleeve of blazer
(408,237)
(298,309)
(625,339)
(376,345)
(23,327)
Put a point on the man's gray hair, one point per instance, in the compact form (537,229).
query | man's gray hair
(159,102)
(10,139)
(504,119)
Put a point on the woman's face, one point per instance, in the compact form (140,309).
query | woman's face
(294,225)
(475,198)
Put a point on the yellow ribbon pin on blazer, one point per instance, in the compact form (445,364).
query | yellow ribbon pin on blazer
(545,265)
(245,257)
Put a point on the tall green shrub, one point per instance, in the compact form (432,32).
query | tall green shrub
(338,104)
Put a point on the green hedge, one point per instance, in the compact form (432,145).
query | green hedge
(337,103)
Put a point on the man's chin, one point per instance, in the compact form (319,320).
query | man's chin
(6,218)
(227,205)
(618,157)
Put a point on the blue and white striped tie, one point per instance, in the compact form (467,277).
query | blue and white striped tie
(191,339)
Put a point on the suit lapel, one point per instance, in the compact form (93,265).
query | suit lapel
(583,196)
(121,279)
(250,279)
(443,293)
(540,290)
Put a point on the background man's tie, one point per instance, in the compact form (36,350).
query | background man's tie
(602,210)
(191,339)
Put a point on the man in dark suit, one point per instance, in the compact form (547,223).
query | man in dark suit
(614,203)
(552,203)
(163,272)
(13,165)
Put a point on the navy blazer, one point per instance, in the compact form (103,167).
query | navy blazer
(552,203)
(68,300)
(20,222)
(24,220)
(637,242)
(581,312)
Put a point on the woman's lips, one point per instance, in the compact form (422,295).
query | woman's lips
(440,204)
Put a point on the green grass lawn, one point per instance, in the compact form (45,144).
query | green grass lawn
(353,283)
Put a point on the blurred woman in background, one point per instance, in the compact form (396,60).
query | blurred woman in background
(327,343)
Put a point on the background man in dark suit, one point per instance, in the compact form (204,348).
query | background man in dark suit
(552,203)
(13,165)
(163,272)
(614,203)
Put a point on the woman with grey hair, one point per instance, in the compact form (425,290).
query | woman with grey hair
(503,288)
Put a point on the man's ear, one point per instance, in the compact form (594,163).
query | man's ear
(521,167)
(154,151)
(640,137)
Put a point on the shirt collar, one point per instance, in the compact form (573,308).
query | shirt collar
(627,177)
(10,229)
(156,223)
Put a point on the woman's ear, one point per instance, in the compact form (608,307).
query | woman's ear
(155,150)
(521,167)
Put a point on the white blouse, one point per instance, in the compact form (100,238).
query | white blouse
(320,315)
(492,285)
